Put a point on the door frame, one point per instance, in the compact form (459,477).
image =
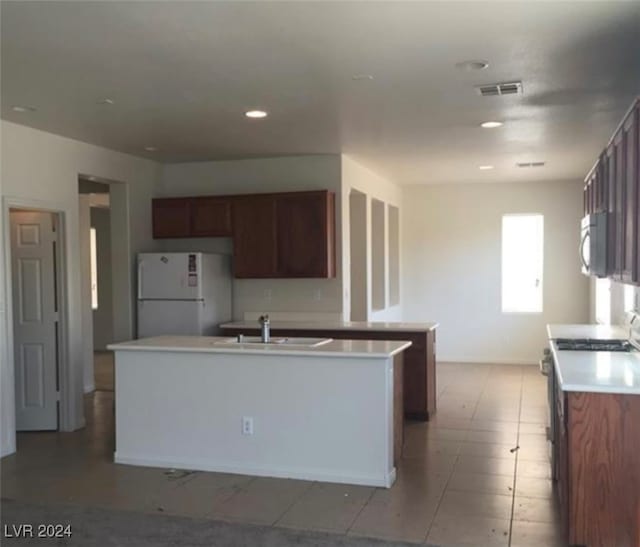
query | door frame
(65,417)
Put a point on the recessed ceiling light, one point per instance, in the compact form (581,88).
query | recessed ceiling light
(472,65)
(490,125)
(256,114)
(150,148)
(485,167)
(362,77)
(20,108)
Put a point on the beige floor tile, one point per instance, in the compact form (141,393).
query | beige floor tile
(491,466)
(447,434)
(534,488)
(487,450)
(327,507)
(536,534)
(533,429)
(416,447)
(481,482)
(471,531)
(262,501)
(493,437)
(401,515)
(197,497)
(431,462)
(535,509)
(534,469)
(493,425)
(475,504)
(443,422)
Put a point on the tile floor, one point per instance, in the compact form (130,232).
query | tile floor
(459,483)
(103,370)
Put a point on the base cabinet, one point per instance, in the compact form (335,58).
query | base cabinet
(419,361)
(598,469)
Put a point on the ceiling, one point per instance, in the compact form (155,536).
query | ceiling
(182,74)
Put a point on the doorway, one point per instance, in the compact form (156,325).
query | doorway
(97,286)
(37,326)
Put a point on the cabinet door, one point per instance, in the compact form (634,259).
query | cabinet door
(211,217)
(630,181)
(617,180)
(171,217)
(254,236)
(305,234)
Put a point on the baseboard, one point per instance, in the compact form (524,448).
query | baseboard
(259,471)
(485,361)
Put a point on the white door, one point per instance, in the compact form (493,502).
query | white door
(34,320)
(169,276)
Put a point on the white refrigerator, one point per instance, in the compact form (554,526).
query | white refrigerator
(183,293)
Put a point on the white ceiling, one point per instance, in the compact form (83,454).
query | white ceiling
(182,74)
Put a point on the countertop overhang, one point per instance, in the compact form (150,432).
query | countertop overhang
(215,344)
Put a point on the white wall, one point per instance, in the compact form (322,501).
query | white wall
(7,410)
(452,266)
(42,169)
(313,298)
(357,177)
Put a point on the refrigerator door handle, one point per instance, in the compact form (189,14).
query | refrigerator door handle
(140,270)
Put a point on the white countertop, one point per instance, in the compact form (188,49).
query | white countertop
(338,325)
(599,332)
(598,371)
(212,344)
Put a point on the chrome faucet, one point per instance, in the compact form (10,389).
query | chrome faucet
(265,329)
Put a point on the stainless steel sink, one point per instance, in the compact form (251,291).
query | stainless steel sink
(277,341)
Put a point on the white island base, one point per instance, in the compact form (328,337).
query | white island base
(324,413)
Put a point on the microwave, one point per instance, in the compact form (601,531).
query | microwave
(593,244)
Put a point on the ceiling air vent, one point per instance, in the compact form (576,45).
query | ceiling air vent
(506,88)
(525,165)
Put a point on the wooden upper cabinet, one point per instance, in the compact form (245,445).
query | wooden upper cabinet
(211,217)
(254,236)
(274,235)
(171,217)
(306,234)
(629,176)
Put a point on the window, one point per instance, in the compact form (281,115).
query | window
(629,298)
(522,252)
(94,270)
(603,301)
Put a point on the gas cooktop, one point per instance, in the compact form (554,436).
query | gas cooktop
(588,344)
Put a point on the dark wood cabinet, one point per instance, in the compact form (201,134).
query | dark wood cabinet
(613,185)
(305,244)
(171,217)
(284,235)
(419,360)
(191,217)
(254,236)
(630,182)
(211,217)
(598,468)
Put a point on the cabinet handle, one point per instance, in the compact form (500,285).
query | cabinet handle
(582,242)
(140,270)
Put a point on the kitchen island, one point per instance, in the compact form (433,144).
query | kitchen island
(326,410)
(419,360)
(596,437)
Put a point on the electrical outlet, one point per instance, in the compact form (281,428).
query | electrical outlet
(247,425)
(267,294)
(317,295)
